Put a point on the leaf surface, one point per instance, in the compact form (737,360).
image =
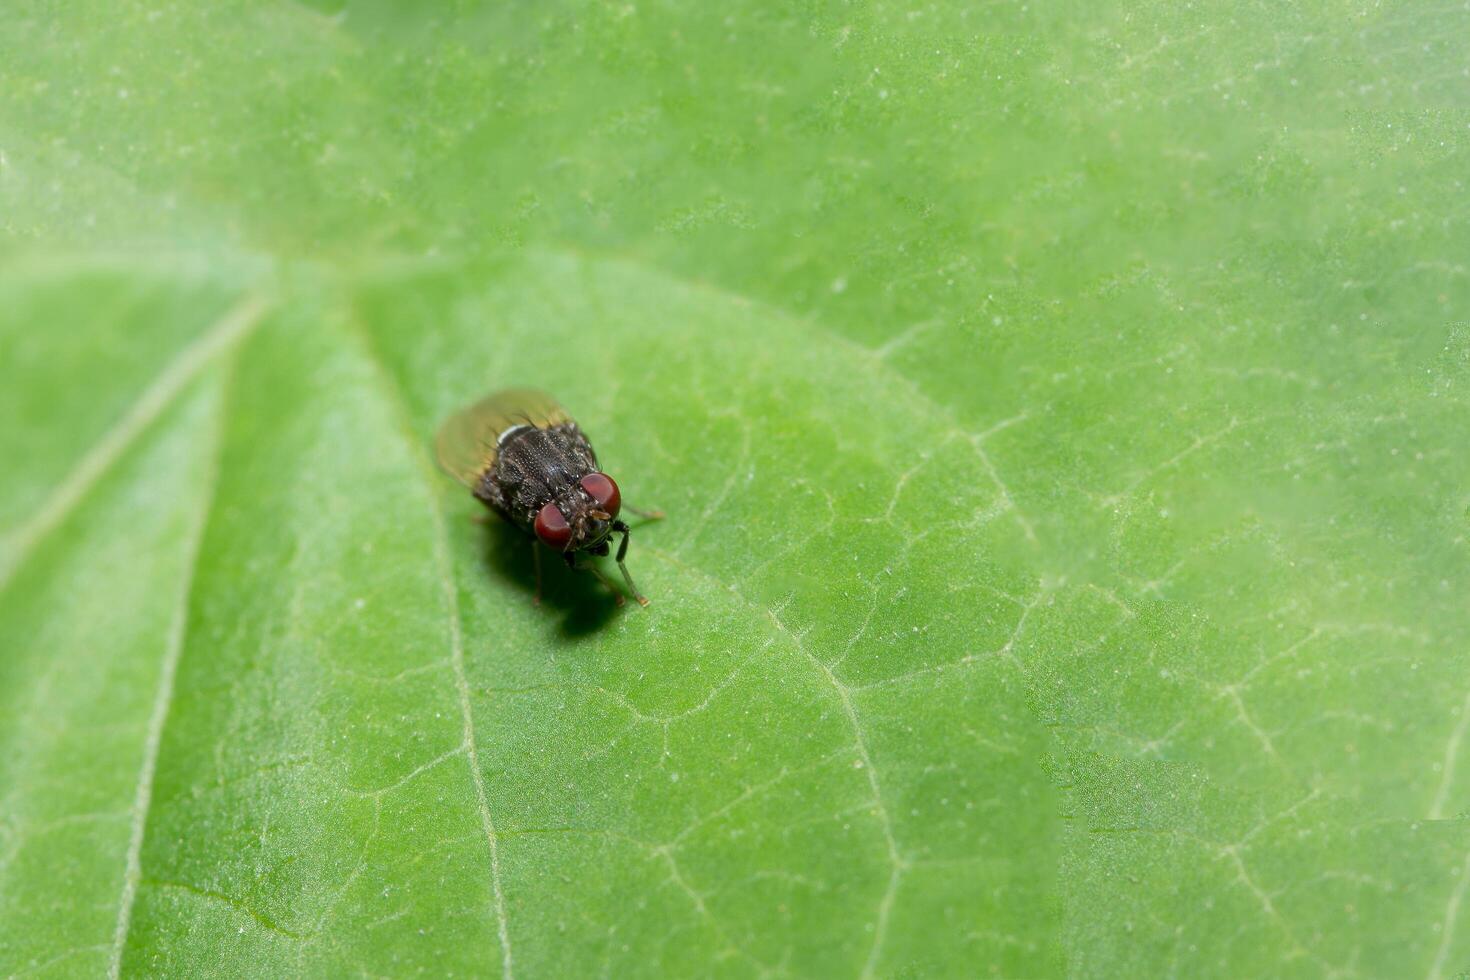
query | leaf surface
(1059,417)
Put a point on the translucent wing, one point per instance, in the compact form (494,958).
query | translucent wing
(468,439)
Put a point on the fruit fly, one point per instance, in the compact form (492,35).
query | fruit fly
(524,457)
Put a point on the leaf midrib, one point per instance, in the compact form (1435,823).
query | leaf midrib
(394,400)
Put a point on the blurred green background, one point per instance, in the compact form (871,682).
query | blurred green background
(1060,411)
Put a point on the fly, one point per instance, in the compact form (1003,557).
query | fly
(524,457)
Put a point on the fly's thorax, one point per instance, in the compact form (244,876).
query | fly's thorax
(533,467)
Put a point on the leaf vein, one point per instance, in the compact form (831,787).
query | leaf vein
(1447,766)
(160,393)
(163,698)
(456,637)
(896,861)
(1451,919)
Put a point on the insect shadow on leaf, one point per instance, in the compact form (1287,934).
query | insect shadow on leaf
(582,602)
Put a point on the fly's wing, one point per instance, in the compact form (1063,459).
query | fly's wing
(470,438)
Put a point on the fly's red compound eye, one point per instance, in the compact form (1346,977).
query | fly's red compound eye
(604,492)
(552,527)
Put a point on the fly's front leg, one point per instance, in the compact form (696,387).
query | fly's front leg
(623,529)
(536,557)
(571,560)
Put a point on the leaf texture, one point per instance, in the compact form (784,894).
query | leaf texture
(1059,416)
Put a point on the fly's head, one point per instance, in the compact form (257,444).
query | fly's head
(582,516)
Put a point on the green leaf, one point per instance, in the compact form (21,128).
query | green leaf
(1060,417)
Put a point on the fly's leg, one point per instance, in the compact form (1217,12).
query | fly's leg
(536,560)
(571,559)
(623,529)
